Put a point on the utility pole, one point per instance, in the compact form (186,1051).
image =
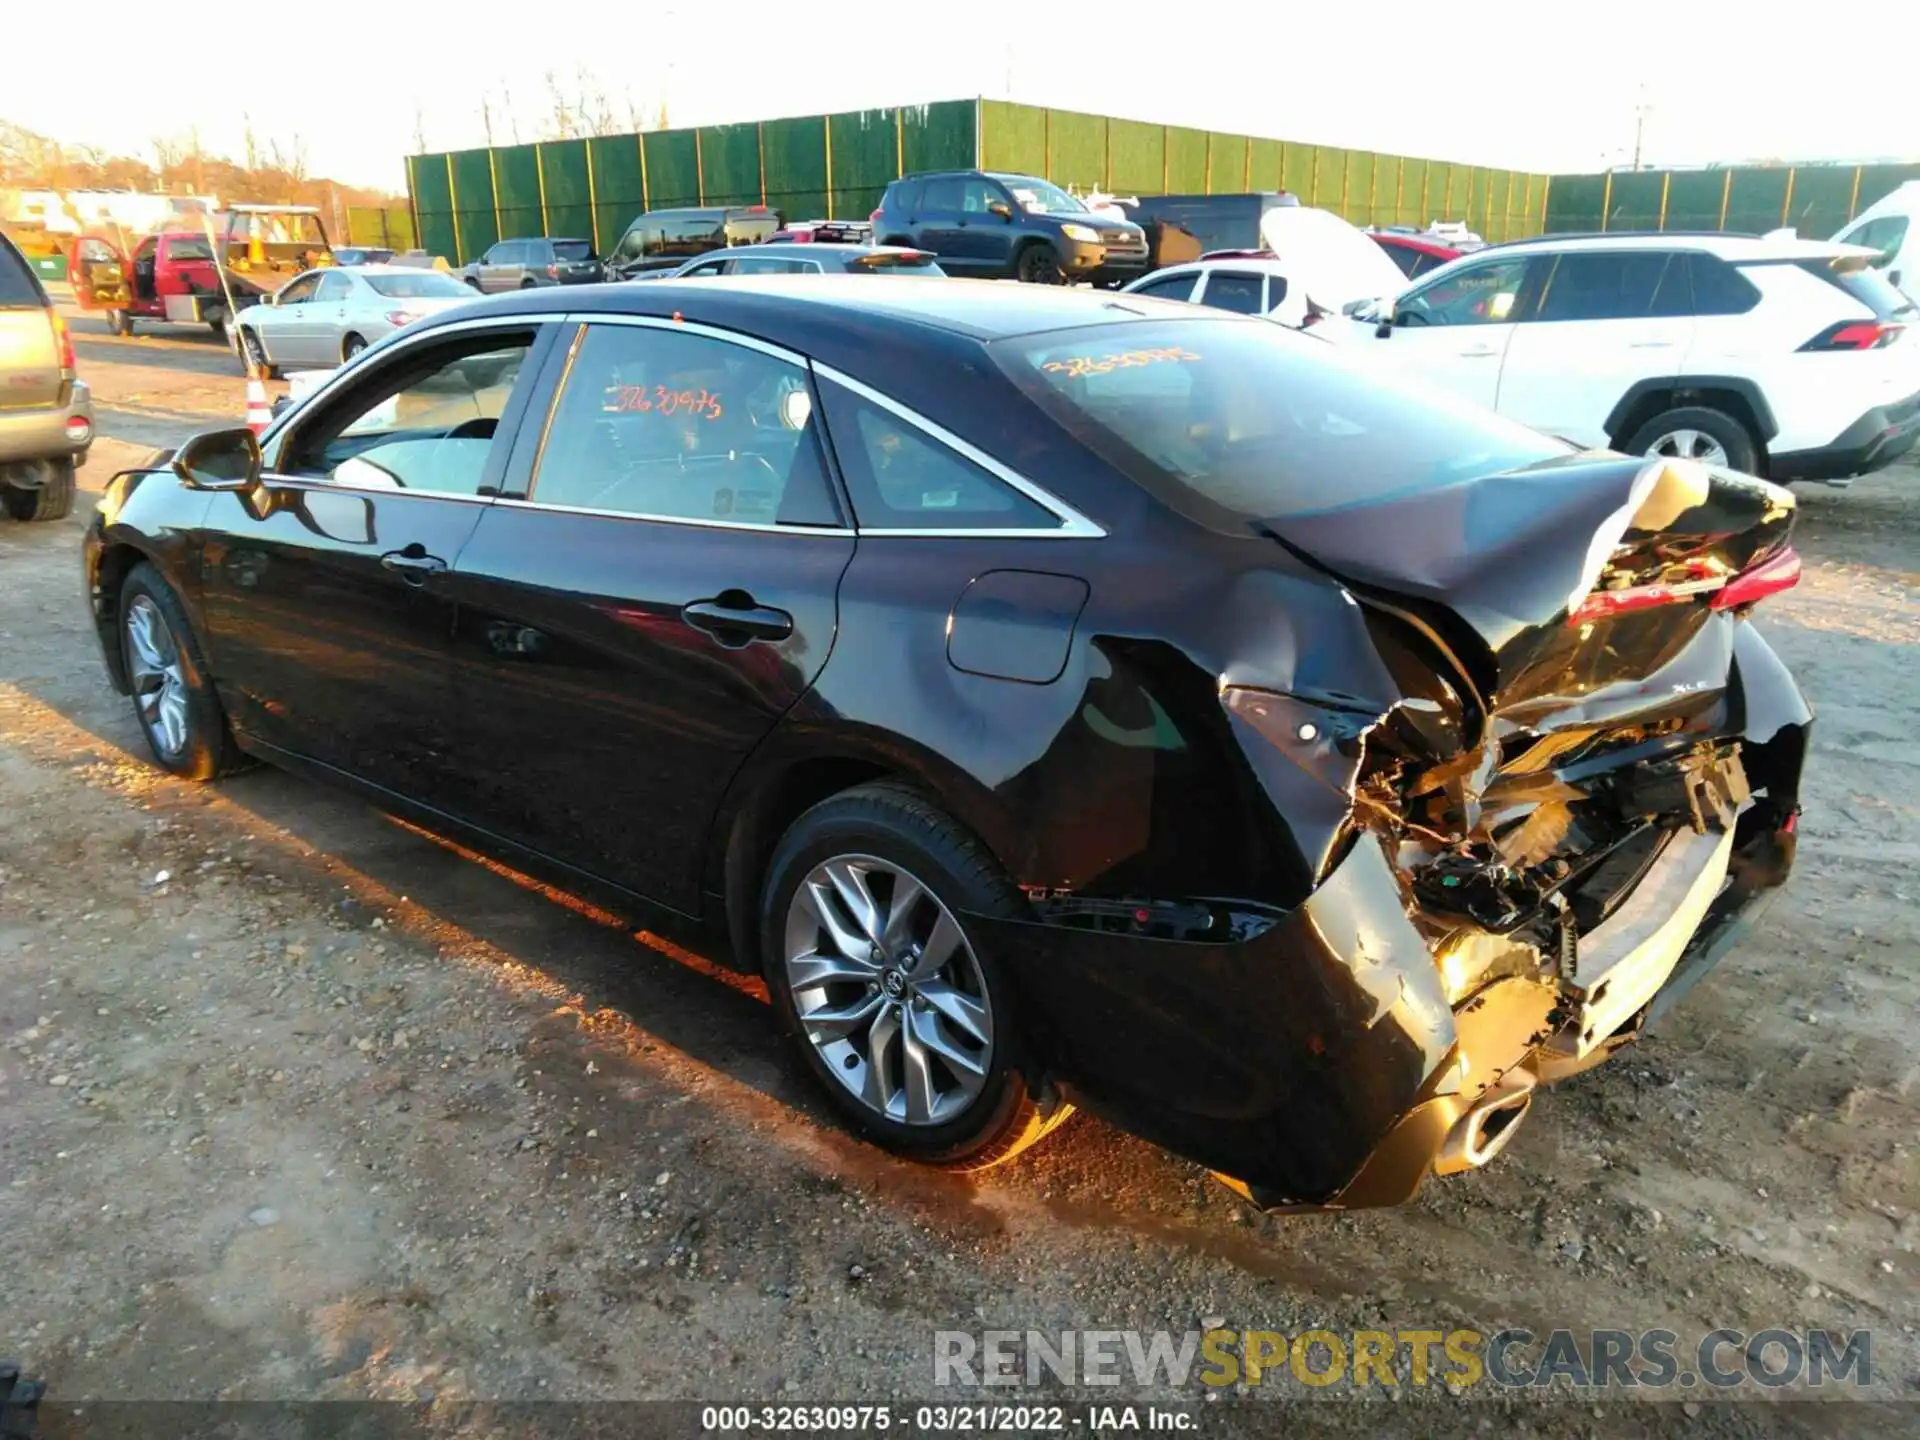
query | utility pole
(1640,109)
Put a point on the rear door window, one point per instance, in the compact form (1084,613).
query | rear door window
(904,196)
(945,195)
(1235,291)
(1615,285)
(672,425)
(335,289)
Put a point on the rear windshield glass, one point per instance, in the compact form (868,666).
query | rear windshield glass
(1869,287)
(573,249)
(18,286)
(190,248)
(896,265)
(429,286)
(1234,422)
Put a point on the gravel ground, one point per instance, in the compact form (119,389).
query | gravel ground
(297,1102)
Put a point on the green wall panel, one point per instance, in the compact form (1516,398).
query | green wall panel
(796,167)
(619,188)
(940,136)
(516,185)
(1226,163)
(1013,137)
(672,169)
(866,155)
(1077,149)
(1356,190)
(1576,202)
(1693,199)
(1186,161)
(1635,204)
(473,203)
(432,203)
(1755,201)
(1135,153)
(730,165)
(563,171)
(1268,163)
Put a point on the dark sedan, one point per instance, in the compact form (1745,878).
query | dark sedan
(1056,700)
(810,258)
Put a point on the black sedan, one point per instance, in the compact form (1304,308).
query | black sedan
(788,257)
(1058,698)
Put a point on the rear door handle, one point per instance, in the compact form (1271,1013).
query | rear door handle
(412,564)
(1650,345)
(1482,352)
(736,621)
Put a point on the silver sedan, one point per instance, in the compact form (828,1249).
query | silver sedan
(326,317)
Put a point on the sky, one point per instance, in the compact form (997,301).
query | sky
(1550,88)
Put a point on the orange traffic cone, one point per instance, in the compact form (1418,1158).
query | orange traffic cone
(259,416)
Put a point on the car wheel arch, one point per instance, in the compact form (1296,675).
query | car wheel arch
(1738,396)
(117,561)
(770,794)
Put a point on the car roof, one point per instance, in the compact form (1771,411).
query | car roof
(804,248)
(777,305)
(1267,265)
(1733,248)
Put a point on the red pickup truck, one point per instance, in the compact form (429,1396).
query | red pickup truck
(171,276)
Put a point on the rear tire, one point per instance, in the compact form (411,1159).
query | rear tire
(254,354)
(527,284)
(952,1024)
(173,698)
(119,323)
(1697,432)
(1036,264)
(52,499)
(350,347)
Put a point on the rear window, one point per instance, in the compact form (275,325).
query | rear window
(18,284)
(573,249)
(1234,423)
(1869,287)
(885,264)
(182,249)
(428,286)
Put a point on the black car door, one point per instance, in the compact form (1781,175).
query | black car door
(655,591)
(329,625)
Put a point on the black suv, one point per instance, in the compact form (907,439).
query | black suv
(982,223)
(664,239)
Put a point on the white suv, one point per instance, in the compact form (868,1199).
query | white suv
(1782,357)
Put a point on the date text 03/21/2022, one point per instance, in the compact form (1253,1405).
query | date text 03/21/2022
(942,1419)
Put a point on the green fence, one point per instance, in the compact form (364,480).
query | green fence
(831,166)
(836,166)
(1815,200)
(388,227)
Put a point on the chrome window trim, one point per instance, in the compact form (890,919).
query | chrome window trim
(316,482)
(689,327)
(706,524)
(395,343)
(1073,525)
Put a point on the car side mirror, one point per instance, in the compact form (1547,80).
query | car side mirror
(1384,330)
(1000,208)
(219,460)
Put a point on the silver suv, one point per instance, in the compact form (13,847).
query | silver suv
(46,414)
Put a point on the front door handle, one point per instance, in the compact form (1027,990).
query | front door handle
(412,564)
(736,621)
(1479,352)
(1650,345)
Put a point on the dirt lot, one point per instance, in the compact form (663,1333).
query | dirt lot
(297,1102)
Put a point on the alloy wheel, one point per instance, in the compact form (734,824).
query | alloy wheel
(888,990)
(159,678)
(1690,445)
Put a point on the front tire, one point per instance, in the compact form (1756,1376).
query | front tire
(1697,432)
(903,1018)
(1038,265)
(51,499)
(173,698)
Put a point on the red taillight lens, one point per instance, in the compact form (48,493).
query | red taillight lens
(553,272)
(1855,335)
(401,317)
(62,340)
(874,218)
(1770,577)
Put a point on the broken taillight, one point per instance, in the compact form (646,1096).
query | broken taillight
(1770,577)
(1778,572)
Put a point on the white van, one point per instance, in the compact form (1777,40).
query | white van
(1892,226)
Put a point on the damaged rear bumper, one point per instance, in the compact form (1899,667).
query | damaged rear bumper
(1316,1060)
